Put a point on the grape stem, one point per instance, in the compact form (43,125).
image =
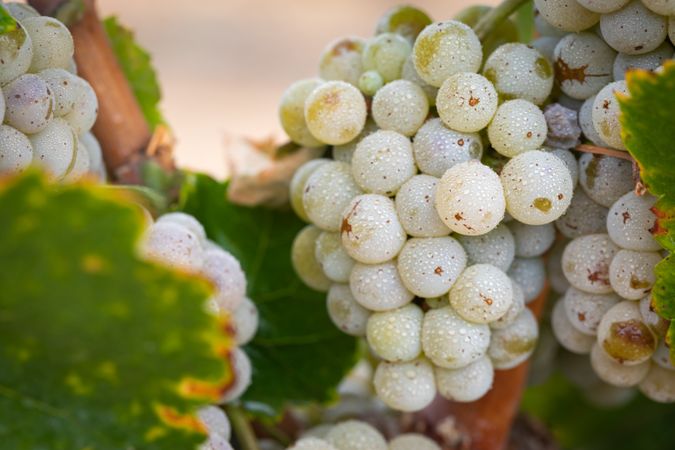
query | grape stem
(490,21)
(587,148)
(242,428)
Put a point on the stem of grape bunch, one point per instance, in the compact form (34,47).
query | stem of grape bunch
(495,16)
(242,428)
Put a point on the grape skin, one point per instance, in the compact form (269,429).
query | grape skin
(332,257)
(225,272)
(584,310)
(662,355)
(466,384)
(412,441)
(85,109)
(603,6)
(386,53)
(29,104)
(395,335)
(304,259)
(482,294)
(371,232)
(517,306)
(537,187)
(410,73)
(415,207)
(616,373)
(649,316)
(659,385)
(378,287)
(21,11)
(647,61)
(630,220)
(341,60)
(450,341)
(345,312)
(623,335)
(437,148)
(586,263)
(556,277)
(297,186)
(519,71)
(173,245)
(566,15)
(16,53)
(80,165)
(470,199)
(532,240)
(570,161)
(517,126)
(344,152)
(496,247)
(311,443)
(512,345)
(530,275)
(586,122)
(335,112)
(54,148)
(370,82)
(662,7)
(53,45)
(631,273)
(566,334)
(401,106)
(245,320)
(16,151)
(292,112)
(242,375)
(605,179)
(634,29)
(582,217)
(606,113)
(382,162)
(186,221)
(466,102)
(215,421)
(405,386)
(445,48)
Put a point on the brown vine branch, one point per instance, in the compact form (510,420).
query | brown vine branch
(121,127)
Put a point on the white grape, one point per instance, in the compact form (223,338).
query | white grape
(371,232)
(395,335)
(556,277)
(603,6)
(412,441)
(382,162)
(311,443)
(52,43)
(445,48)
(586,263)
(437,148)
(659,385)
(186,221)
(303,258)
(662,7)
(29,104)
(21,11)
(430,266)
(570,161)
(615,373)
(649,315)
(80,166)
(584,310)
(466,384)
(647,61)
(530,275)
(604,178)
(544,28)
(512,345)
(215,421)
(54,148)
(496,247)
(370,82)
(450,341)
(410,73)
(470,198)
(96,164)
(634,29)
(583,217)
(16,52)
(386,53)
(466,102)
(537,186)
(630,220)
(567,335)
(631,273)
(335,112)
(332,257)
(624,336)
(341,60)
(85,109)
(327,192)
(16,151)
(583,64)
(297,187)
(405,386)
(379,287)
(519,71)
(586,122)
(566,15)
(292,112)
(242,375)
(606,113)
(225,272)
(415,207)
(532,240)
(401,106)
(344,152)
(345,312)
(173,245)
(517,306)
(546,45)
(482,294)
(245,320)
(606,396)
(355,435)
(662,356)
(518,126)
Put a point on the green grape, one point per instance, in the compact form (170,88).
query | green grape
(410,73)
(341,60)
(16,52)
(335,112)
(512,345)
(292,112)
(370,82)
(304,260)
(400,106)
(405,20)
(517,127)
(395,335)
(386,53)
(297,187)
(466,102)
(624,336)
(404,386)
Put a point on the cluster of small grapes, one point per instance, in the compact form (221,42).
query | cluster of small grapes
(46,109)
(604,269)
(178,240)
(442,312)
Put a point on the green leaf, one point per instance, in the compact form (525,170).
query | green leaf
(137,67)
(648,132)
(98,349)
(298,355)
(7,22)
(577,424)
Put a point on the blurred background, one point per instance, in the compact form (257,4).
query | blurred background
(223,64)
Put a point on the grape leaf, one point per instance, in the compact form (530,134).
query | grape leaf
(137,67)
(648,131)
(98,349)
(7,22)
(577,424)
(298,355)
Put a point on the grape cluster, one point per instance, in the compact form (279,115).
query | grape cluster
(179,241)
(429,221)
(46,110)
(604,266)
